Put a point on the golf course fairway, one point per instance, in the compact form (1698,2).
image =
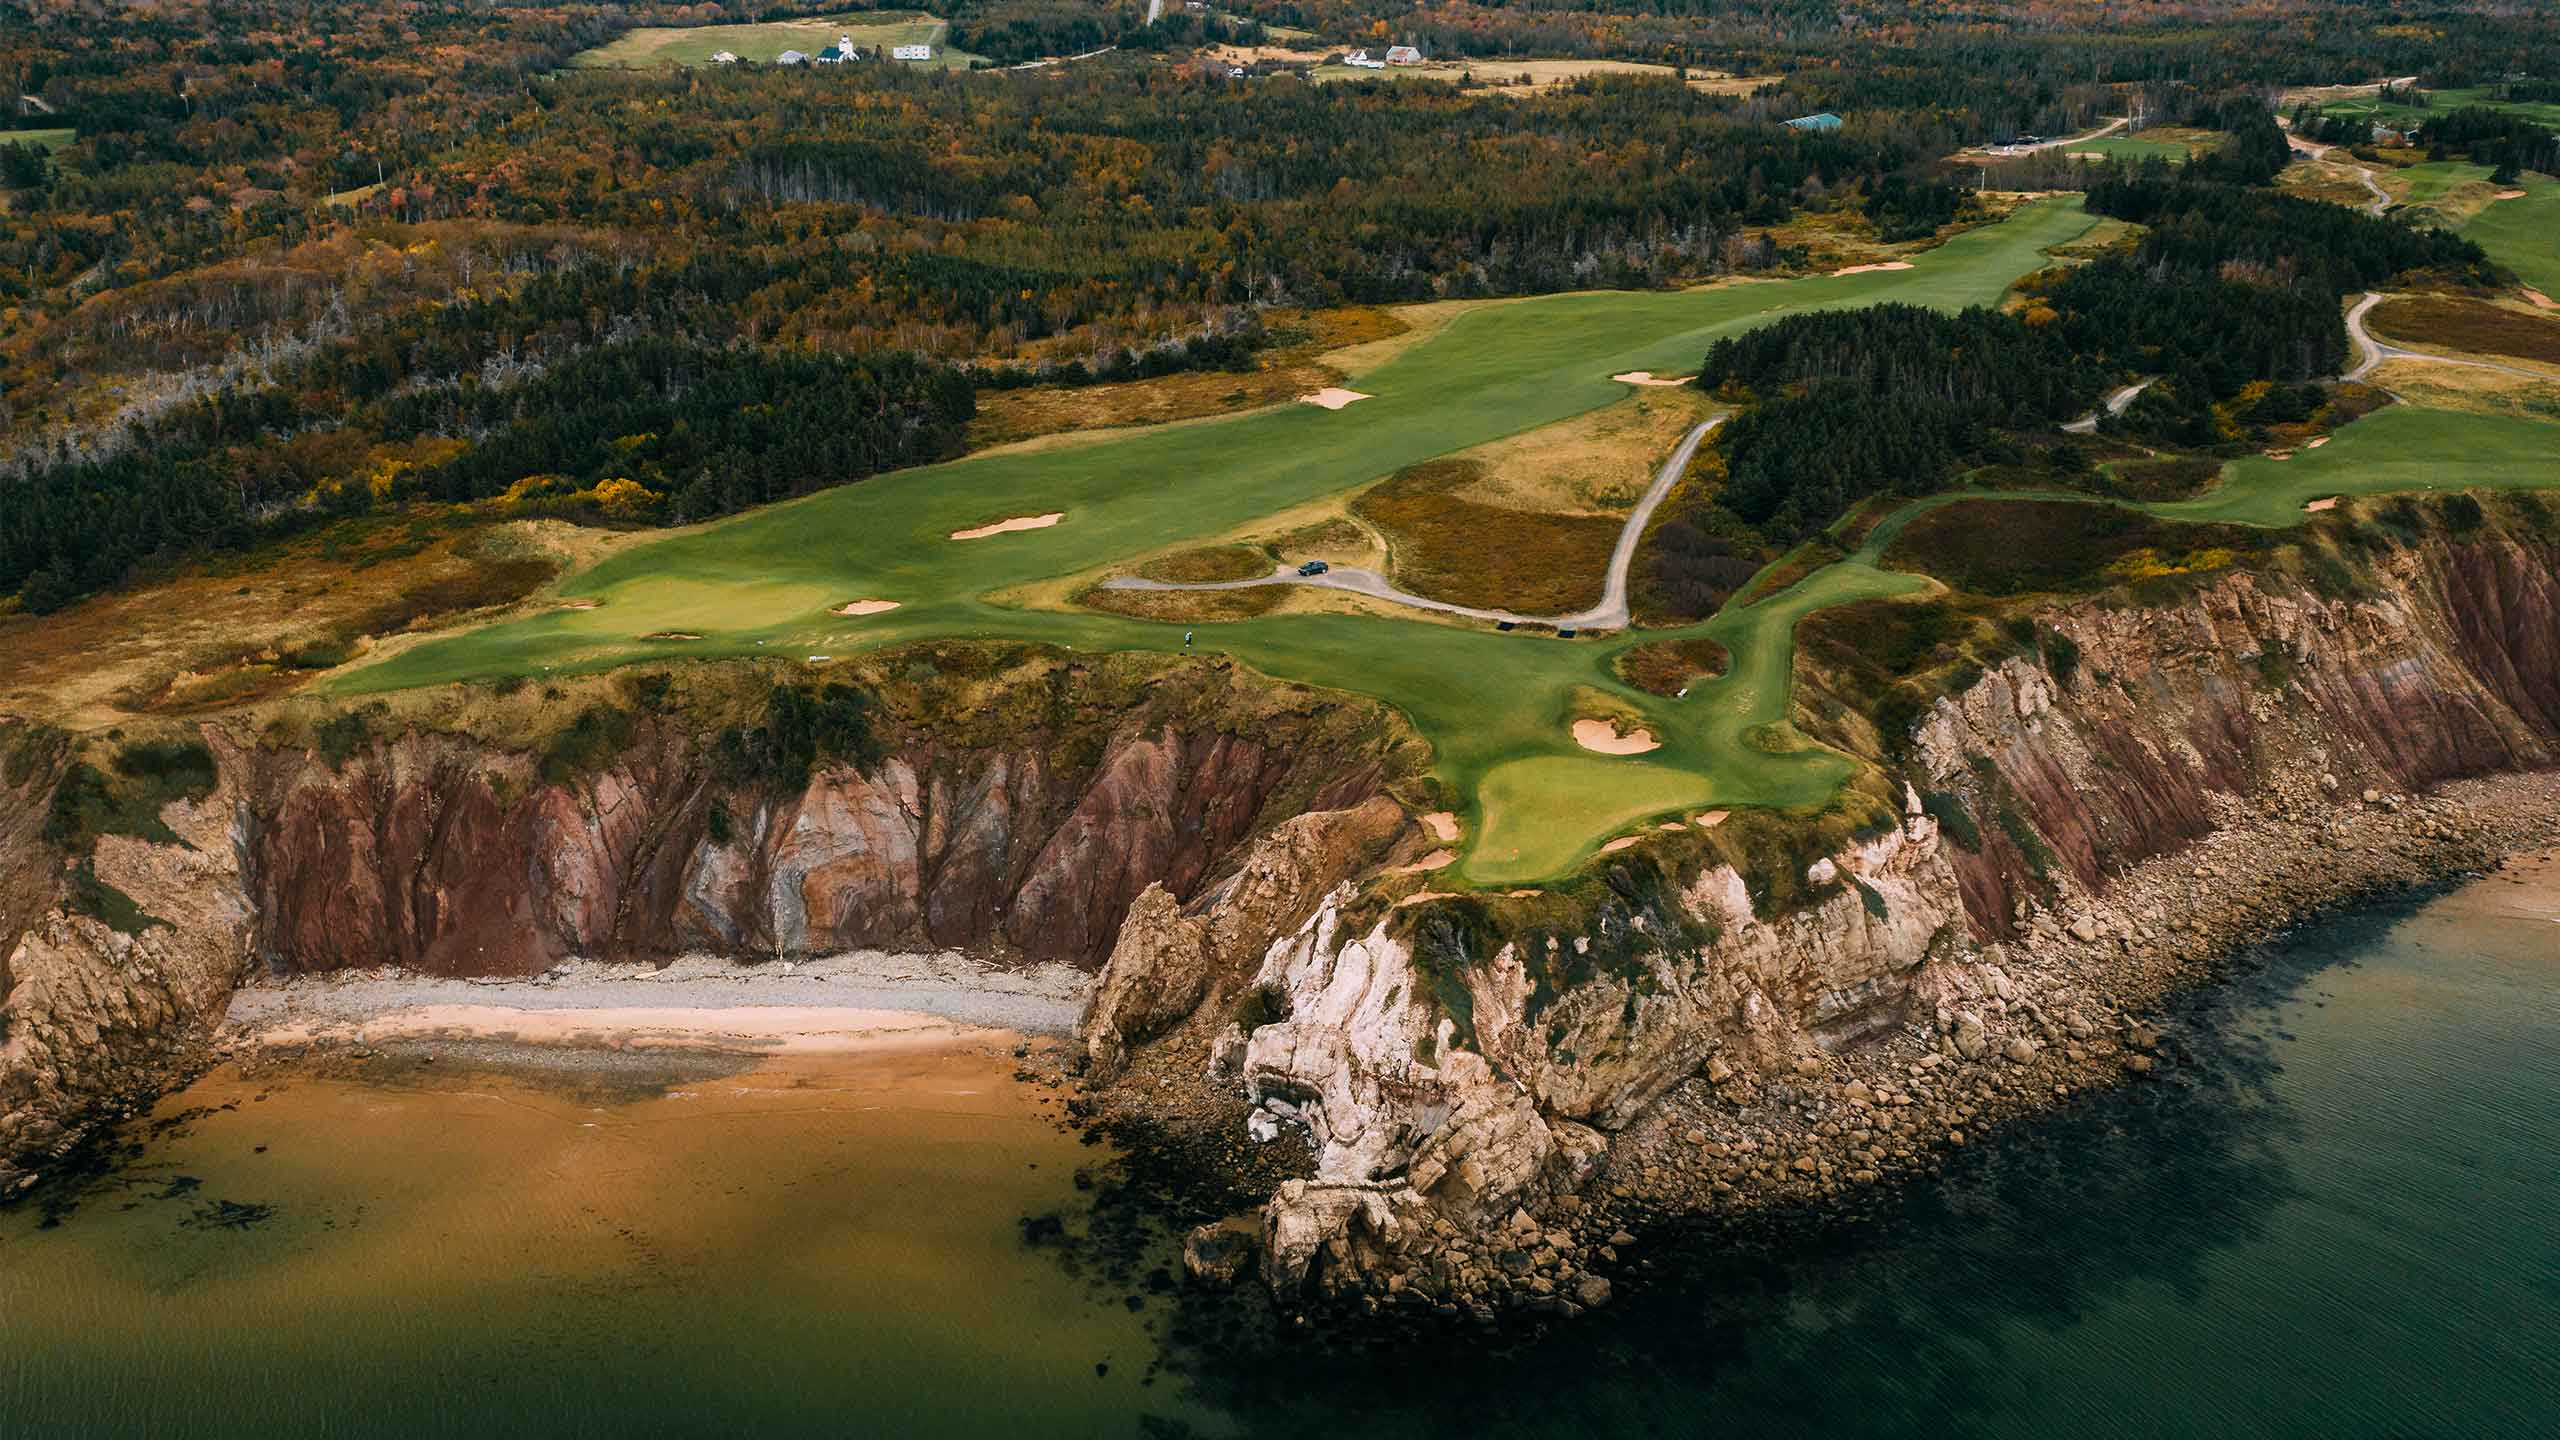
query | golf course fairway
(1496,707)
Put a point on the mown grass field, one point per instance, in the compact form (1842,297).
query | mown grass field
(2444,102)
(2524,235)
(41,139)
(1495,706)
(872,30)
(2131,147)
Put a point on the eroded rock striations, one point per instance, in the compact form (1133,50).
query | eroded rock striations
(1489,1098)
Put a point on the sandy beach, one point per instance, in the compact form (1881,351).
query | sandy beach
(866,1000)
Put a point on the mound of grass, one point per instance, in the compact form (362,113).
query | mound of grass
(2173,478)
(1209,565)
(1667,667)
(2017,547)
(2471,326)
(1185,607)
(1448,547)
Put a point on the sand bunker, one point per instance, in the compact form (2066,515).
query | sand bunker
(866,607)
(1006,527)
(1870,269)
(1647,377)
(1442,825)
(1332,397)
(2279,454)
(2540,300)
(2508,195)
(672,635)
(1436,860)
(2315,442)
(1712,819)
(1421,896)
(2325,502)
(1621,843)
(1603,737)
(580,604)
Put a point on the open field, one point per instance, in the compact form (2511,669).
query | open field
(2362,101)
(2471,327)
(2161,142)
(1495,706)
(695,45)
(41,139)
(1534,77)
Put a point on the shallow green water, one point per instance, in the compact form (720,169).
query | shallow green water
(2338,1214)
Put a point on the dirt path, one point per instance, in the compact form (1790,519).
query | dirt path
(1610,614)
(2319,155)
(2372,353)
(2088,424)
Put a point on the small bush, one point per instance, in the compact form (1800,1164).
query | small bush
(804,727)
(1954,821)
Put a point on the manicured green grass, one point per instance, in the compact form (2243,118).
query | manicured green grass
(872,30)
(41,139)
(2524,235)
(2445,103)
(2130,147)
(2402,448)
(761,583)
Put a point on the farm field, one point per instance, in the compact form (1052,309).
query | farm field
(1496,706)
(695,45)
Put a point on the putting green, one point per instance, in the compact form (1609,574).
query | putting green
(1495,706)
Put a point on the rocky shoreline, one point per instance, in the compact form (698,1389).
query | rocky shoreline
(1995,1037)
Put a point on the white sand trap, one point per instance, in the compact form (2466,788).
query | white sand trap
(1602,737)
(1672,825)
(2325,502)
(1647,377)
(2540,300)
(1523,894)
(2315,442)
(672,635)
(1442,825)
(1871,269)
(866,607)
(1332,397)
(2279,454)
(1007,527)
(1436,860)
(1712,819)
(1621,843)
(580,604)
(2508,195)
(1419,897)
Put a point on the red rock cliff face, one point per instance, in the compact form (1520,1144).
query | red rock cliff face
(2451,670)
(441,857)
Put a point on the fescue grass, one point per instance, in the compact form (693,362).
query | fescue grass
(2469,326)
(1447,547)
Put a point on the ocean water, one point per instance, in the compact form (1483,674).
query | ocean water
(2336,1214)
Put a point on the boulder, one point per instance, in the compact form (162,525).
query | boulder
(1219,1251)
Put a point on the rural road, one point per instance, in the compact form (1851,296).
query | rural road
(2371,352)
(1610,614)
(2088,424)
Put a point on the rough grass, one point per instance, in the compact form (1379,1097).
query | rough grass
(1667,667)
(2471,326)
(1597,463)
(2015,547)
(1303,357)
(1448,547)
(1209,565)
(2169,478)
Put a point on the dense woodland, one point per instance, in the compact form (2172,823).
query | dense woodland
(300,258)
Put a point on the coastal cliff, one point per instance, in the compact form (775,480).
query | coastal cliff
(437,842)
(1773,1011)
(1493,1091)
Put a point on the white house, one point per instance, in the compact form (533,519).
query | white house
(723,57)
(912,52)
(1403,55)
(1360,58)
(839,52)
(791,57)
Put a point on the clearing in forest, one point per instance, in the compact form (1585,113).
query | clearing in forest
(873,31)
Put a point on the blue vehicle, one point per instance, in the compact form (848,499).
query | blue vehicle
(1314,567)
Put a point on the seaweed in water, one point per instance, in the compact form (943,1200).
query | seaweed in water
(228,1215)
